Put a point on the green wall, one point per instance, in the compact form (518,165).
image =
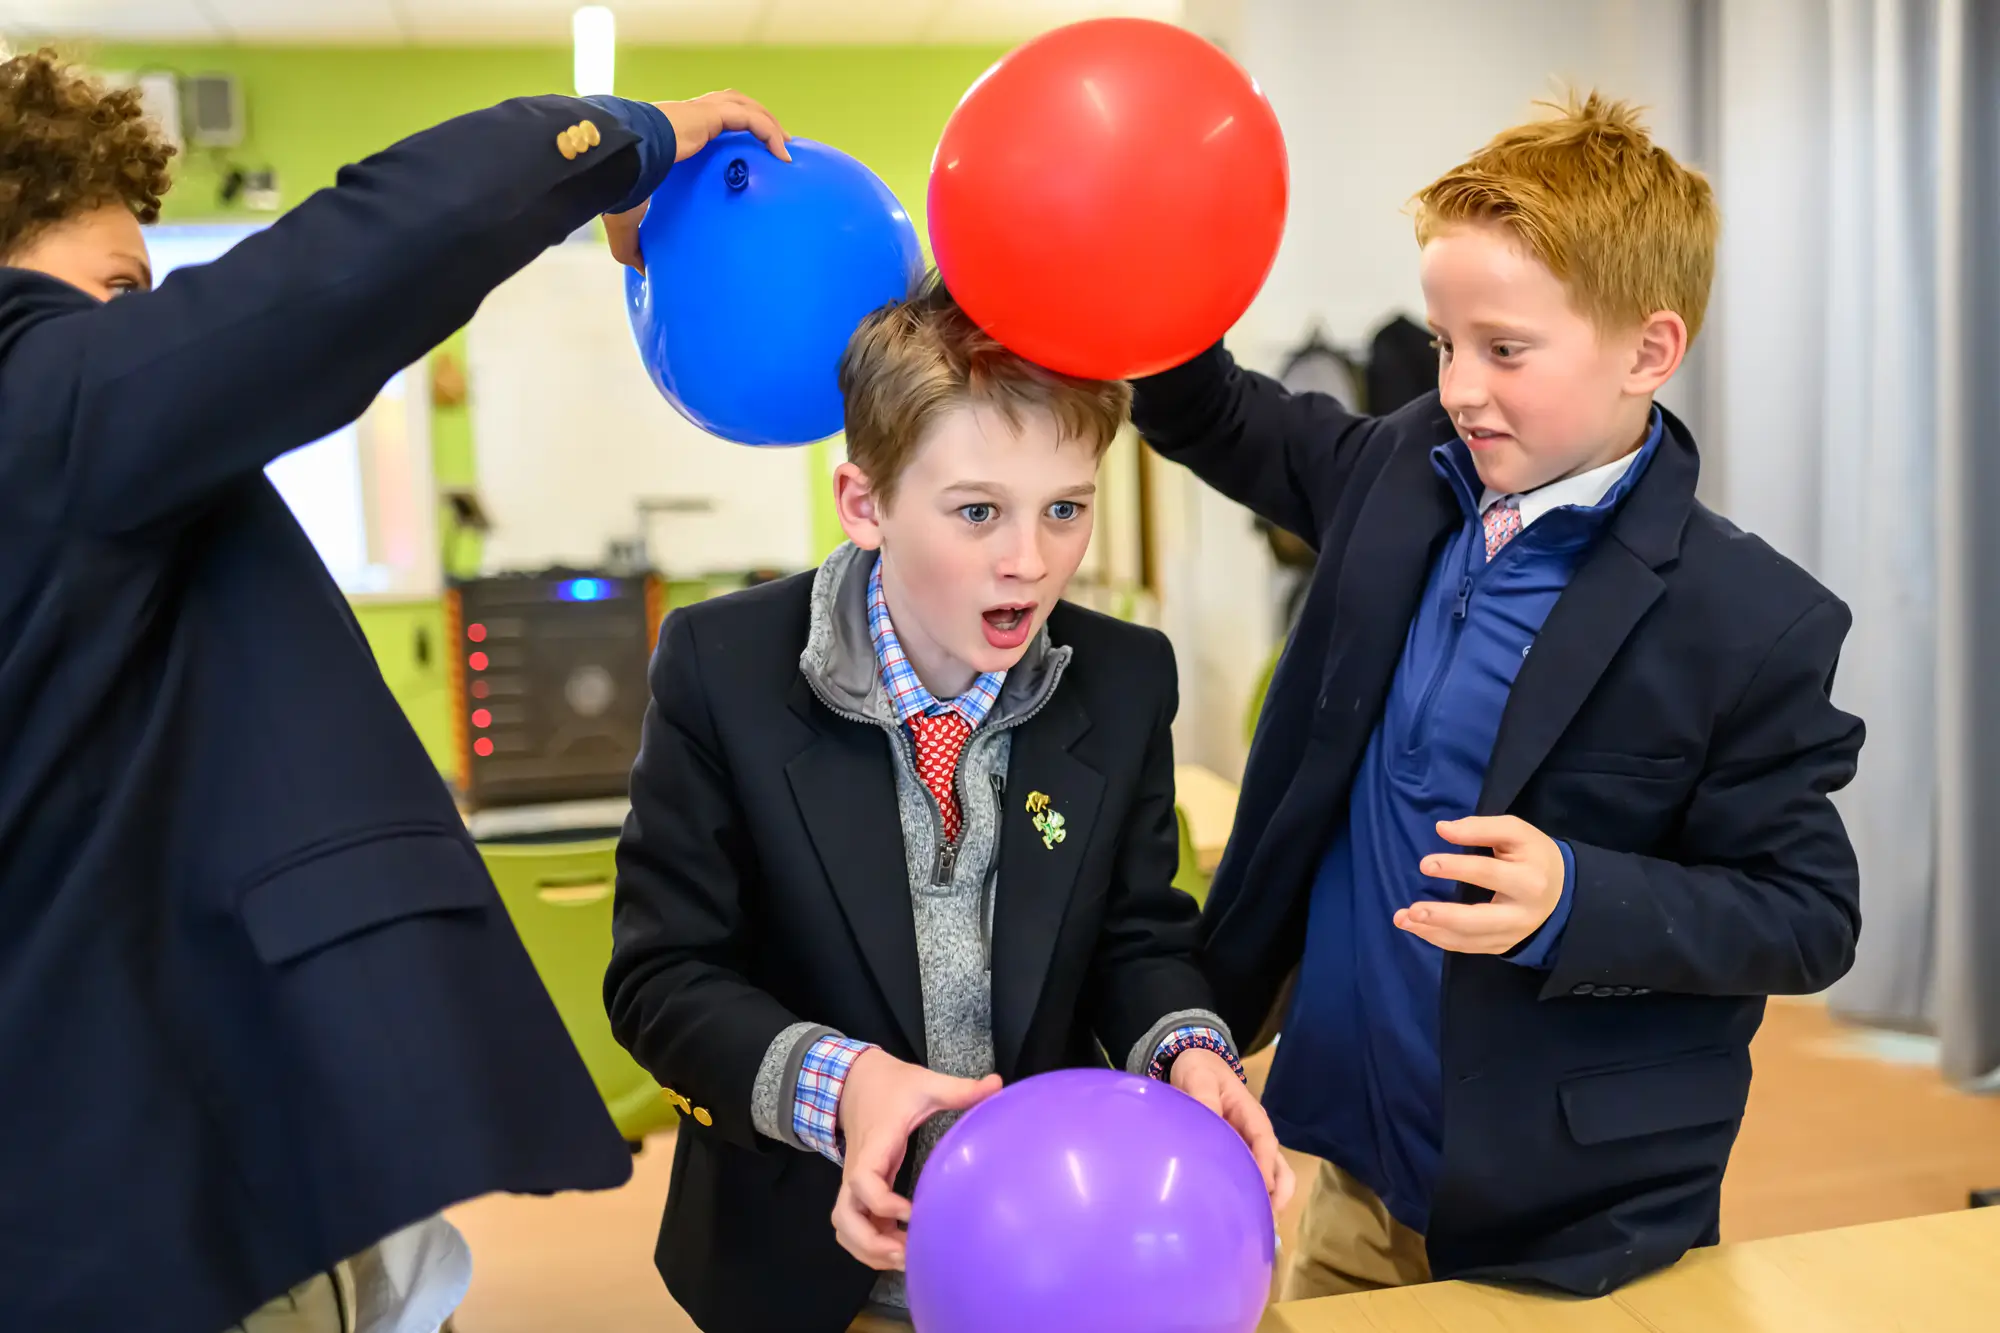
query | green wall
(408,639)
(309,111)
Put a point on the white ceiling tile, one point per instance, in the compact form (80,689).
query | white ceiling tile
(302,21)
(131,20)
(693,22)
(846,22)
(651,22)
(450,21)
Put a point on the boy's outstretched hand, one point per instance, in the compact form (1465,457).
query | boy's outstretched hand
(1525,875)
(1207,1077)
(696,122)
(703,118)
(883,1102)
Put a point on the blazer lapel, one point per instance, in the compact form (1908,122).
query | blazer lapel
(1036,874)
(1589,623)
(1610,594)
(846,792)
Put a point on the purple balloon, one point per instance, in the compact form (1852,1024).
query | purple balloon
(1088,1201)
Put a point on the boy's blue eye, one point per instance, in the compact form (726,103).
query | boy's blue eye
(1065,510)
(978,513)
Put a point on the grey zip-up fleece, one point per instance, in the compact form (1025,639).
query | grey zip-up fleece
(951,889)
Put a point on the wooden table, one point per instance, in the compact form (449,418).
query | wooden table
(1937,1274)
(1210,802)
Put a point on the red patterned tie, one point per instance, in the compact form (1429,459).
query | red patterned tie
(1503,523)
(940,739)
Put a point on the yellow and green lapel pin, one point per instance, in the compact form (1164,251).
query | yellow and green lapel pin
(1048,820)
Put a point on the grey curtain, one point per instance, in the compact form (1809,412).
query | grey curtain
(1968,500)
(1853,148)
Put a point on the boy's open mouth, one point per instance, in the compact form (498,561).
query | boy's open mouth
(1007,626)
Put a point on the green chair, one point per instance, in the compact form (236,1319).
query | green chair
(559,896)
(1189,879)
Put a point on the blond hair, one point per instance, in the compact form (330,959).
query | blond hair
(1629,231)
(914,360)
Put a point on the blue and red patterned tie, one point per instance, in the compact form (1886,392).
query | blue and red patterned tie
(1503,523)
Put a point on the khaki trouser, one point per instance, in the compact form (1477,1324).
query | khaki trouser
(1348,1243)
(324,1304)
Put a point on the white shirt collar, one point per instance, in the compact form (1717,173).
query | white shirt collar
(1584,490)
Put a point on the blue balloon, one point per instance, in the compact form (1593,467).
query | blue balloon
(757,274)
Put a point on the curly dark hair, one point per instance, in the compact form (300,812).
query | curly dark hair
(68,146)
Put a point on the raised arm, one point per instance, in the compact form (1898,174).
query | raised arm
(1286,456)
(146,406)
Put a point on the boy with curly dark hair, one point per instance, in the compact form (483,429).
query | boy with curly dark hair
(260,1007)
(82,169)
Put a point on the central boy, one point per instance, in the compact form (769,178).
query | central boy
(902,829)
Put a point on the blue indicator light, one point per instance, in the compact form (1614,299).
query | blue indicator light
(585,590)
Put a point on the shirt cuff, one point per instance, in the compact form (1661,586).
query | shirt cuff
(1539,949)
(657,145)
(1182,1040)
(816,1104)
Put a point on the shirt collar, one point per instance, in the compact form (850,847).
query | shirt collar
(1599,487)
(907,694)
(1586,490)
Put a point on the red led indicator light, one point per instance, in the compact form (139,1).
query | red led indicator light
(481,718)
(477,661)
(480,689)
(476,633)
(483,746)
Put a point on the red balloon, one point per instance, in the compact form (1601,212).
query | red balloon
(1108,198)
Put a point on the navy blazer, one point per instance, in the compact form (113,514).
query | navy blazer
(259,1002)
(1673,724)
(761,881)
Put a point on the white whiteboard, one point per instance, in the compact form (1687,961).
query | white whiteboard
(571,437)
